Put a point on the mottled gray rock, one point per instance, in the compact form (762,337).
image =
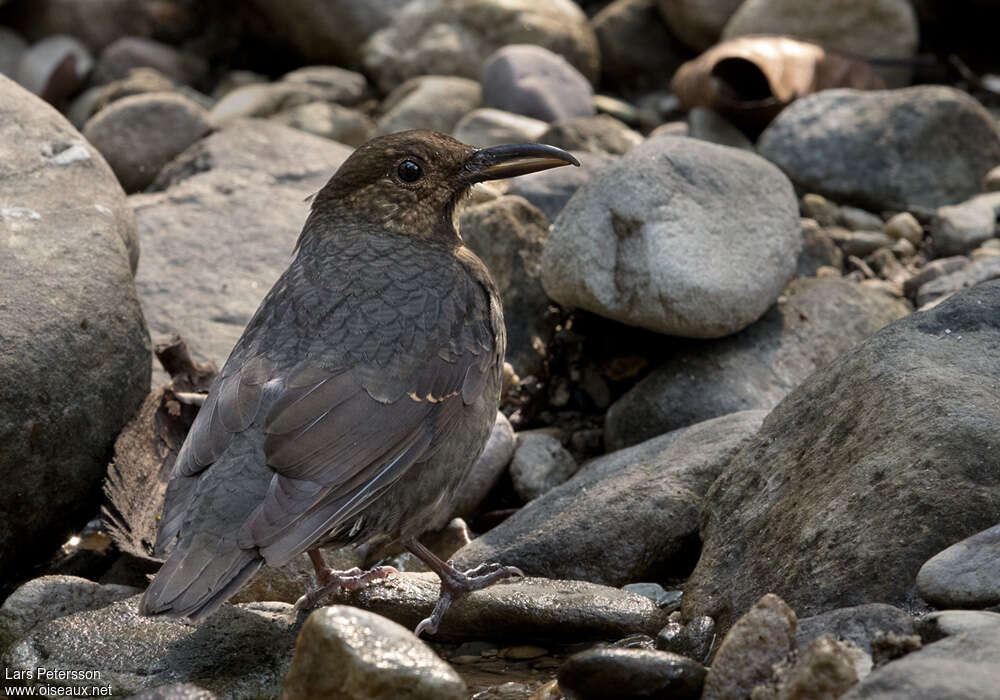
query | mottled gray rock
(508,234)
(857,624)
(924,146)
(488,469)
(965,575)
(945,623)
(264,99)
(598,134)
(492,127)
(870,28)
(49,597)
(838,466)
(962,667)
(75,355)
(818,250)
(966,276)
(627,516)
(607,672)
(540,464)
(761,638)
(549,190)
(699,246)
(140,134)
(342,86)
(454,37)
(246,184)
(433,102)
(814,322)
(709,125)
(125,54)
(958,229)
(332,121)
(637,49)
(347,653)
(698,23)
(54,68)
(239,652)
(517,609)
(533,81)
(931,271)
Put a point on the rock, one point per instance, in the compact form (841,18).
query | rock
(855,219)
(818,207)
(863,437)
(433,102)
(493,127)
(540,464)
(656,593)
(330,32)
(962,667)
(245,184)
(75,356)
(709,125)
(818,250)
(606,672)
(12,47)
(139,81)
(239,652)
(54,68)
(675,128)
(533,81)
(627,516)
(708,269)
(965,575)
(931,271)
(49,597)
(695,640)
(761,638)
(967,276)
(824,669)
(549,190)
(814,322)
(857,624)
(946,623)
(125,54)
(904,226)
(138,135)
(696,22)
(175,691)
(454,37)
(508,234)
(598,134)
(864,243)
(488,469)
(958,229)
(538,609)
(924,146)
(339,85)
(991,181)
(264,99)
(290,582)
(343,652)
(331,121)
(884,29)
(637,50)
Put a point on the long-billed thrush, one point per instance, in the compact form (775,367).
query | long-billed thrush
(361,392)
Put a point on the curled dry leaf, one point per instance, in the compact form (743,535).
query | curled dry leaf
(750,79)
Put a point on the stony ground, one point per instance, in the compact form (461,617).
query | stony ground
(749,445)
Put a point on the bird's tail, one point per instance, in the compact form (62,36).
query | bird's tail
(198,577)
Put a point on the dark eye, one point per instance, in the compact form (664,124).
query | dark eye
(409,171)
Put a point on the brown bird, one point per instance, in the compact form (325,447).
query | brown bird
(361,392)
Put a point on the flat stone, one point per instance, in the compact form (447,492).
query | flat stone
(492,127)
(607,672)
(966,276)
(965,575)
(946,623)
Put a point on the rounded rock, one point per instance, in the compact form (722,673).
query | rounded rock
(535,82)
(965,575)
(540,463)
(601,673)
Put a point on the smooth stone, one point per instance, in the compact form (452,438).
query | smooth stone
(343,652)
(818,250)
(644,501)
(816,206)
(931,271)
(614,251)
(847,457)
(709,125)
(864,243)
(122,56)
(540,464)
(857,624)
(904,226)
(533,81)
(549,190)
(264,100)
(855,219)
(598,134)
(958,229)
(54,68)
(966,574)
(331,121)
(341,86)
(655,592)
(492,127)
(628,674)
(434,102)
(838,143)
(939,624)
(967,276)
(636,47)
(698,23)
(991,181)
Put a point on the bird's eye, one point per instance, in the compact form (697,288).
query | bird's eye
(409,171)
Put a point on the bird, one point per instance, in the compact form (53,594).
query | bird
(360,393)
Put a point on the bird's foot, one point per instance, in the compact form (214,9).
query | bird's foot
(337,582)
(455,583)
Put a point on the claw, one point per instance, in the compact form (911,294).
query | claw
(336,582)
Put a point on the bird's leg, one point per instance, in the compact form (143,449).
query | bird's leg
(455,583)
(330,581)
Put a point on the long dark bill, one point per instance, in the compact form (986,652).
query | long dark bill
(515,159)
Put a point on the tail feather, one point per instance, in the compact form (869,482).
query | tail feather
(198,578)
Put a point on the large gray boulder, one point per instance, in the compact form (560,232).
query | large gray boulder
(814,322)
(899,432)
(919,147)
(218,227)
(74,351)
(678,236)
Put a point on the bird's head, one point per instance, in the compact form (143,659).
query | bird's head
(409,182)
